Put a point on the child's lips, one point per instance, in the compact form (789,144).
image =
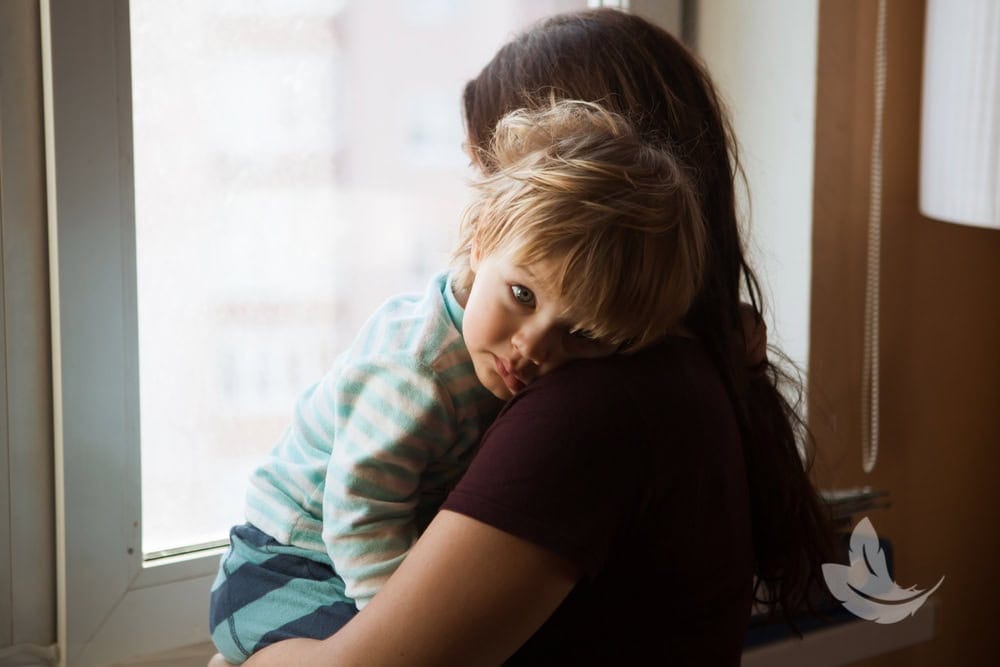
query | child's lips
(512,382)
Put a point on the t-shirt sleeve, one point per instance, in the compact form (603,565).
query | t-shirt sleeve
(557,467)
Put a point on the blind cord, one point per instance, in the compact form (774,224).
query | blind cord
(870,364)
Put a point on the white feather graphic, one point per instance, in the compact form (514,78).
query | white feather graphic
(865,588)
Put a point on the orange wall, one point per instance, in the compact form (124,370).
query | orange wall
(940,398)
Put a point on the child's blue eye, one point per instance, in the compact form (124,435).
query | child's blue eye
(522,294)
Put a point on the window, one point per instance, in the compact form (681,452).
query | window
(219,187)
(291,171)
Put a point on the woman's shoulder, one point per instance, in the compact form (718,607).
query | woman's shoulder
(676,361)
(672,384)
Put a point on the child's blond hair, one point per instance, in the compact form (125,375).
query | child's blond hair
(575,185)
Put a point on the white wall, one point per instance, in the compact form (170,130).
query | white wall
(762,55)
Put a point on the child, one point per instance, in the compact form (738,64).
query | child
(582,242)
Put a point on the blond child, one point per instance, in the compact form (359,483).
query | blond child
(584,241)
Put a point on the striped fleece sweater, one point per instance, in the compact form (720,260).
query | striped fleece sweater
(376,444)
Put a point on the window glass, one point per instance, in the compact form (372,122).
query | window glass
(296,162)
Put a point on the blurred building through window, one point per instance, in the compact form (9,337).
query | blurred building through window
(296,162)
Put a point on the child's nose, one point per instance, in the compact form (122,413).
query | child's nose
(536,344)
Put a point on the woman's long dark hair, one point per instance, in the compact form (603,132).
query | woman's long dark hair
(640,71)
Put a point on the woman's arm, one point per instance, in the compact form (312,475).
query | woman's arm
(467,594)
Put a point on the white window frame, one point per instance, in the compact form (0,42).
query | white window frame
(111,604)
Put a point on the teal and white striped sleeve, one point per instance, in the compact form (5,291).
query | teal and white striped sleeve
(393,417)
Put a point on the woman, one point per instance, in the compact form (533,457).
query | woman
(618,509)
